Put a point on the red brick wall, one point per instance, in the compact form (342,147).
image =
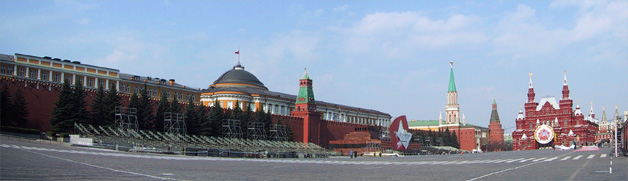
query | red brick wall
(40,98)
(467,139)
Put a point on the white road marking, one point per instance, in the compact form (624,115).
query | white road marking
(514,168)
(107,168)
(567,157)
(577,157)
(524,160)
(603,156)
(539,159)
(590,156)
(514,160)
(331,162)
(551,159)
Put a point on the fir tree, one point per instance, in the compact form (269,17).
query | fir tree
(6,106)
(205,124)
(145,110)
(98,107)
(134,101)
(246,117)
(191,118)
(20,111)
(447,138)
(175,107)
(455,140)
(215,119)
(62,121)
(237,112)
(267,119)
(162,108)
(80,110)
(111,102)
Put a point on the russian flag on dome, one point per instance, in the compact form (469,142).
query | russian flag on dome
(237,52)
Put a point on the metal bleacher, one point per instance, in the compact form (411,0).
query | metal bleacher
(145,140)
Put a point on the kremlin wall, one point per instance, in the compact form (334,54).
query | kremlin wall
(40,80)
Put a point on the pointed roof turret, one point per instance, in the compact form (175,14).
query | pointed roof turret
(305,76)
(494,115)
(616,117)
(306,93)
(604,115)
(520,115)
(452,83)
(592,114)
(565,78)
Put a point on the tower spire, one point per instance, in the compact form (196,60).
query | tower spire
(452,82)
(452,114)
(305,75)
(616,116)
(494,115)
(565,77)
(531,93)
(530,74)
(604,114)
(565,88)
(592,114)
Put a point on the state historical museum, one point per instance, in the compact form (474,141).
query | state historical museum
(549,122)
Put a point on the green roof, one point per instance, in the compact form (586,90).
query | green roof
(423,123)
(452,83)
(494,115)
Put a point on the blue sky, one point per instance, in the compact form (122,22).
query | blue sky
(392,56)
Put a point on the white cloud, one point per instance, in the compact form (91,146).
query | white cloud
(522,35)
(341,8)
(400,33)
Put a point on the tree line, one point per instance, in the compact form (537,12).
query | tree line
(199,119)
(13,109)
(437,138)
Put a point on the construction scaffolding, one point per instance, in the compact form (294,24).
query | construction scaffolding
(174,124)
(231,128)
(255,131)
(278,132)
(126,118)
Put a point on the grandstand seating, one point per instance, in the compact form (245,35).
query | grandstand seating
(152,140)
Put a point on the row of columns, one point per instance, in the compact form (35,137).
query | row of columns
(51,76)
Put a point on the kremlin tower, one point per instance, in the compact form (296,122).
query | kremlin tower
(452,114)
(305,107)
(495,127)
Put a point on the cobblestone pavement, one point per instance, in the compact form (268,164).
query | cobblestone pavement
(37,161)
